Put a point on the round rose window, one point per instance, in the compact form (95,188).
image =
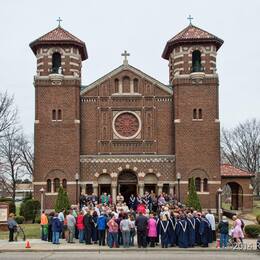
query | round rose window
(127,125)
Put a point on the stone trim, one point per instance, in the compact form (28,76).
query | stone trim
(127,158)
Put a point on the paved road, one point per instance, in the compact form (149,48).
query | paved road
(132,255)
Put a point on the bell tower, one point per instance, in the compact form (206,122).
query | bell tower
(192,57)
(57,84)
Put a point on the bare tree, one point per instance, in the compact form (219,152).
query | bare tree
(26,154)
(7,113)
(11,168)
(241,148)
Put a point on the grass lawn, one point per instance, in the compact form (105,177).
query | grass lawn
(30,230)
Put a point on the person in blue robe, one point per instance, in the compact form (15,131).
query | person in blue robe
(163,230)
(205,231)
(172,231)
(192,229)
(182,232)
(197,227)
(132,202)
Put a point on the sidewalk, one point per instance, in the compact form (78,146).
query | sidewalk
(38,245)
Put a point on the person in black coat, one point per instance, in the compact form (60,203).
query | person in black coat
(88,223)
(141,225)
(192,229)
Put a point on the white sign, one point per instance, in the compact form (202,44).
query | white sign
(3,214)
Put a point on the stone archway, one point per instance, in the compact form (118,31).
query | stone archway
(150,182)
(232,196)
(104,184)
(127,183)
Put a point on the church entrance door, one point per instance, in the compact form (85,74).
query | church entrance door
(104,188)
(127,184)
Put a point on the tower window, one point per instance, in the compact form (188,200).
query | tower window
(56,183)
(205,184)
(200,113)
(64,184)
(196,61)
(54,117)
(197,184)
(136,85)
(48,185)
(116,85)
(194,113)
(56,62)
(59,114)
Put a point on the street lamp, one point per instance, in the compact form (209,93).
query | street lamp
(219,191)
(77,182)
(42,193)
(178,177)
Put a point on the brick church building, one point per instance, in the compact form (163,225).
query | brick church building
(128,132)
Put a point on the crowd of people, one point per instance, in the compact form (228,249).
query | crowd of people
(154,220)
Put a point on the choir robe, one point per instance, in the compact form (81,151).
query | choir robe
(192,235)
(132,202)
(197,231)
(205,232)
(182,232)
(172,231)
(163,230)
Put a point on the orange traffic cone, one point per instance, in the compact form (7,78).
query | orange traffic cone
(218,243)
(27,244)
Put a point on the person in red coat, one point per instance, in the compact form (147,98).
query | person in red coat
(80,226)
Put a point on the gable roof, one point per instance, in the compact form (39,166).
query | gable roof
(190,34)
(85,89)
(228,170)
(60,36)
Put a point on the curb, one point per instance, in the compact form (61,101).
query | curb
(120,250)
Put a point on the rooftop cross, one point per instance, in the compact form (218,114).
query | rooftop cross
(190,18)
(59,20)
(125,54)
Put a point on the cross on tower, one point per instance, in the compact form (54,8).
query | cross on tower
(125,54)
(190,18)
(59,20)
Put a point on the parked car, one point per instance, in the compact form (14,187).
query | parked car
(258,243)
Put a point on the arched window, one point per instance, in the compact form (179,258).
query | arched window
(126,84)
(48,185)
(205,184)
(197,183)
(196,61)
(59,114)
(136,85)
(64,184)
(54,114)
(116,85)
(194,113)
(200,113)
(56,183)
(56,62)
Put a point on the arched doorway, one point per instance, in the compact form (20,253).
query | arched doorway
(150,182)
(104,184)
(232,196)
(127,184)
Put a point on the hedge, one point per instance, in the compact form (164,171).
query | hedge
(19,219)
(30,209)
(252,230)
(11,204)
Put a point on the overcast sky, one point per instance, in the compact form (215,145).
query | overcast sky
(142,27)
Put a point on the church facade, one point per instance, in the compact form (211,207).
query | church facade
(127,132)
